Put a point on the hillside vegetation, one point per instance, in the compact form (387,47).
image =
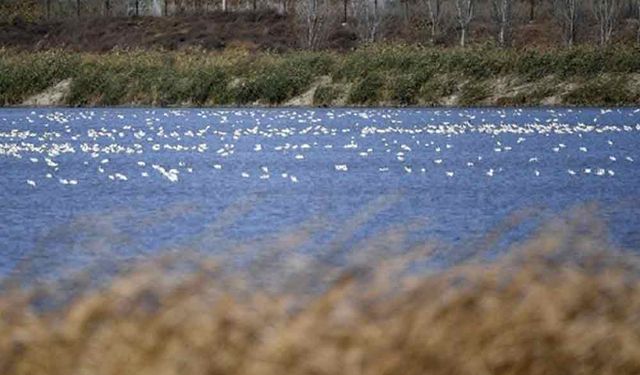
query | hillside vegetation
(374,75)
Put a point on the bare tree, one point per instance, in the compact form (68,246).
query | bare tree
(314,16)
(501,12)
(638,14)
(345,13)
(606,13)
(367,13)
(532,9)
(567,12)
(434,13)
(464,15)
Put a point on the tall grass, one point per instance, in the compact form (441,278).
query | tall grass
(374,75)
(564,302)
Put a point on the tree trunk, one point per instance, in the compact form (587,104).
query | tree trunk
(463,36)
(406,11)
(532,10)
(137,8)
(107,8)
(224,5)
(48,8)
(78,8)
(572,34)
(344,11)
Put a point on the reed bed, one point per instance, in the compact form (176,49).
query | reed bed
(563,302)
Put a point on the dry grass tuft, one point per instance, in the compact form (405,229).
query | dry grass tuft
(562,303)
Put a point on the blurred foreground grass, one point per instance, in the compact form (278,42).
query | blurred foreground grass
(564,302)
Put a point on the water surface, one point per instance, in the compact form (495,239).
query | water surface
(80,186)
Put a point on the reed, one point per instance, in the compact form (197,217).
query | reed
(563,302)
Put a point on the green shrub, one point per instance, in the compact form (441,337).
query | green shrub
(473,93)
(25,74)
(326,95)
(367,90)
(402,75)
(405,88)
(433,90)
(602,91)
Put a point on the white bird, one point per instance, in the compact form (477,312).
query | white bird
(490,172)
(341,167)
(583,149)
(31,182)
(294,179)
(537,172)
(245,174)
(571,172)
(612,158)
(408,169)
(449,174)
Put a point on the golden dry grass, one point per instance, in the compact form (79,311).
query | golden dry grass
(562,303)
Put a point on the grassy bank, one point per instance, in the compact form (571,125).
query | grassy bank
(562,303)
(377,75)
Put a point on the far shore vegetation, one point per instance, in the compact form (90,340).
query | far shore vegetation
(319,52)
(373,75)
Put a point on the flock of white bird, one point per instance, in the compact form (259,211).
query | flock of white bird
(95,138)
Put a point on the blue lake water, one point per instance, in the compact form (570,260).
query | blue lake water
(80,186)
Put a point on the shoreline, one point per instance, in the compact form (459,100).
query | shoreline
(375,76)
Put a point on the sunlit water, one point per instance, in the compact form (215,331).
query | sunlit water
(96,185)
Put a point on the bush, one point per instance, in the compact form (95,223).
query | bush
(402,75)
(367,91)
(473,93)
(326,95)
(433,90)
(602,91)
(405,88)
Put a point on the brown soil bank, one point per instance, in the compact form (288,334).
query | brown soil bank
(211,31)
